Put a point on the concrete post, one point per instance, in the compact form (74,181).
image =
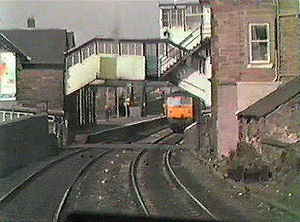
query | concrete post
(117,102)
(198,120)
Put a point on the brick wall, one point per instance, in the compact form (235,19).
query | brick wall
(35,86)
(231,41)
(230,28)
(231,62)
(289,39)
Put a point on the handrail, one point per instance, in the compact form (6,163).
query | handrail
(197,87)
(190,35)
(202,44)
(179,48)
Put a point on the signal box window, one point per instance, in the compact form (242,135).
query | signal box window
(165,17)
(259,43)
(186,101)
(173,17)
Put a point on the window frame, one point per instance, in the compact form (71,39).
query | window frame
(268,41)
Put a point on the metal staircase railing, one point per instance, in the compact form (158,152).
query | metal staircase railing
(191,35)
(179,50)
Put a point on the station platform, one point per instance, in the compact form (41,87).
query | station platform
(79,136)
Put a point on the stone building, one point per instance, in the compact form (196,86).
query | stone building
(40,80)
(275,119)
(255,48)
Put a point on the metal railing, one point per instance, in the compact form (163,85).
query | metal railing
(179,50)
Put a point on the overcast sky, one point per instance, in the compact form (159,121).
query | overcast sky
(135,18)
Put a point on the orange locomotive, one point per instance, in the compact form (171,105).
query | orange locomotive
(180,110)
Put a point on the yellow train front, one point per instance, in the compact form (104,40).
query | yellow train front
(180,110)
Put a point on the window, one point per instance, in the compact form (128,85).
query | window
(101,48)
(139,48)
(124,48)
(131,48)
(76,58)
(92,49)
(259,43)
(165,17)
(173,17)
(115,48)
(186,101)
(201,66)
(180,17)
(193,9)
(69,61)
(85,53)
(173,101)
(108,48)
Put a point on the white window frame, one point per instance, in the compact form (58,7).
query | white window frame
(268,41)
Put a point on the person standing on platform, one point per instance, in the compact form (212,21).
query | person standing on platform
(107,113)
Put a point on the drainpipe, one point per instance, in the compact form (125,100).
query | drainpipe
(277,67)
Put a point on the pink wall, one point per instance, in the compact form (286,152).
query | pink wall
(227,123)
(250,92)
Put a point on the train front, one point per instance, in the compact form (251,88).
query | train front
(180,112)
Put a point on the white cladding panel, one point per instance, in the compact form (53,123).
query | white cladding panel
(131,67)
(82,74)
(126,67)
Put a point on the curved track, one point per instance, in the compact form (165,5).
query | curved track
(37,198)
(21,185)
(61,210)
(58,213)
(167,157)
(157,195)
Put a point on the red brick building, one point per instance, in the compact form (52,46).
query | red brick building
(255,47)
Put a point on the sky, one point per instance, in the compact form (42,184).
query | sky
(87,19)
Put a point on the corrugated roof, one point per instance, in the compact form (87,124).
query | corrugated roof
(272,101)
(44,46)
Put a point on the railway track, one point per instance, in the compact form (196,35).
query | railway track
(37,197)
(167,157)
(43,196)
(59,211)
(158,186)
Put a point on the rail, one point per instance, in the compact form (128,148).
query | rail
(30,178)
(167,158)
(62,203)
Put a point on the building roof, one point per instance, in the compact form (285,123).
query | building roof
(44,46)
(8,45)
(272,101)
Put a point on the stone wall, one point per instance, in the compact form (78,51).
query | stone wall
(25,141)
(280,127)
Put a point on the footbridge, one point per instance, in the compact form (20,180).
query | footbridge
(183,60)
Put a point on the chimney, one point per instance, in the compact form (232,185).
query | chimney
(31,22)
